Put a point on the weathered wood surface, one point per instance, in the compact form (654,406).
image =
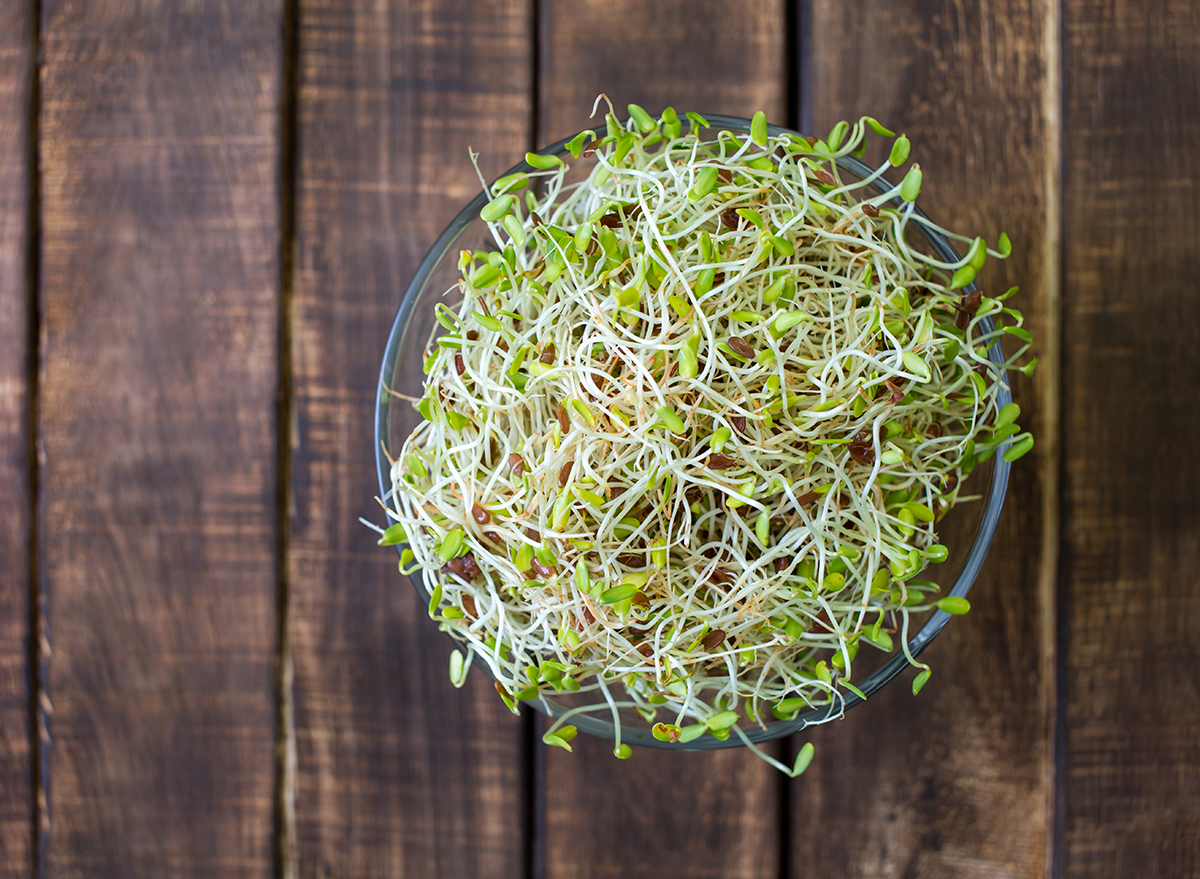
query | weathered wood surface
(1131,330)
(16,752)
(957,779)
(166,151)
(684,815)
(398,773)
(705,55)
(159,296)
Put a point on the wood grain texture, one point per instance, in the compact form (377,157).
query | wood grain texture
(398,773)
(160,300)
(955,781)
(706,55)
(16,753)
(683,815)
(1131,322)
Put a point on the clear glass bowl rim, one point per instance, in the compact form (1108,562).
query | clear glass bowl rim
(994,501)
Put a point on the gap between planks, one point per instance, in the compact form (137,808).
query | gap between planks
(39,644)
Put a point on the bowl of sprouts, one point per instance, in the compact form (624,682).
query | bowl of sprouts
(694,432)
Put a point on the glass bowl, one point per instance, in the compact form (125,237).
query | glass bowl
(967,530)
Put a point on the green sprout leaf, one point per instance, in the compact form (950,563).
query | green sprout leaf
(954,604)
(575,146)
(774,291)
(880,639)
(753,216)
(962,276)
(515,231)
(920,679)
(916,365)
(910,187)
(835,136)
(537,160)
(977,255)
(762,527)
(451,545)
(1018,449)
(689,367)
(803,759)
(787,709)
(853,689)
(486,321)
(673,422)
(642,118)
(1008,414)
(680,306)
(618,593)
(624,145)
(393,535)
(919,511)
(787,320)
(561,737)
(720,436)
(758,128)
(446,317)
(665,732)
(511,183)
(496,208)
(823,674)
(722,720)
(458,669)
(782,246)
(556,741)
(878,128)
(706,181)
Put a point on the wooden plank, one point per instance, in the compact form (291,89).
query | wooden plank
(708,56)
(1132,499)
(683,815)
(16,752)
(160,301)
(398,773)
(958,779)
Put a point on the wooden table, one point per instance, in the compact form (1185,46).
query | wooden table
(208,214)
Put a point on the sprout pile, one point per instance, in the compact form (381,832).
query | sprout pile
(689,427)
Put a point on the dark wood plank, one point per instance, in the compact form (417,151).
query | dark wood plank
(706,55)
(398,773)
(1132,500)
(16,753)
(659,814)
(957,780)
(160,301)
